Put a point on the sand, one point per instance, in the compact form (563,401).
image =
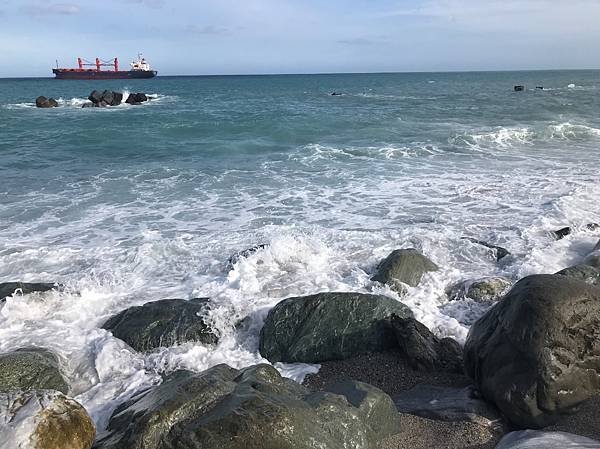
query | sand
(392,375)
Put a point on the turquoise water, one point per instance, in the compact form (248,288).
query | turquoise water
(136,203)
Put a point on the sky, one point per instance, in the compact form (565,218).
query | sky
(185,37)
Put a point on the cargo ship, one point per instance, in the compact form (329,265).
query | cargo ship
(139,69)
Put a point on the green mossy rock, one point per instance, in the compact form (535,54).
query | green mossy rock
(163,323)
(329,326)
(31,369)
(223,408)
(403,266)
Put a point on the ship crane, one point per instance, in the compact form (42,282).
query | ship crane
(82,63)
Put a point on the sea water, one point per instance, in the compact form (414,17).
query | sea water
(132,204)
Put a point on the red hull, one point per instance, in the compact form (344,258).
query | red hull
(74,74)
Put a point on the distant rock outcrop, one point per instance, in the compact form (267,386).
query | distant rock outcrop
(136,99)
(105,98)
(43,102)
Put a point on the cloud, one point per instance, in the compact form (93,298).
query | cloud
(39,9)
(207,30)
(149,3)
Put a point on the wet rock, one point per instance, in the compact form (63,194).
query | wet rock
(43,419)
(43,102)
(136,99)
(235,258)
(532,439)
(105,98)
(480,290)
(563,232)
(449,404)
(223,408)
(593,259)
(10,288)
(163,323)
(403,266)
(423,350)
(498,252)
(95,96)
(584,273)
(329,326)
(536,354)
(31,369)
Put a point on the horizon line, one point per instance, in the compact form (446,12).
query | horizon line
(341,73)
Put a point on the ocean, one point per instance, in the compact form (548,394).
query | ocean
(132,204)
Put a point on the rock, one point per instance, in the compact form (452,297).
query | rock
(137,98)
(423,350)
(480,290)
(30,369)
(95,96)
(43,102)
(593,258)
(10,288)
(584,273)
(532,439)
(498,252)
(235,258)
(519,88)
(163,323)
(223,408)
(563,232)
(87,105)
(403,266)
(108,97)
(448,404)
(43,419)
(329,326)
(117,99)
(536,353)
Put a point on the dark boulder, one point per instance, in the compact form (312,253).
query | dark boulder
(424,351)
(43,102)
(117,98)
(329,326)
(584,273)
(31,369)
(235,258)
(497,251)
(403,266)
(536,353)
(449,404)
(95,96)
(480,290)
(163,323)
(43,419)
(9,288)
(223,408)
(136,98)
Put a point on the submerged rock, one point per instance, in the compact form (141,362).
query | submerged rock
(593,258)
(10,288)
(43,419)
(43,102)
(533,439)
(235,258)
(498,252)
(584,273)
(163,323)
(223,408)
(403,266)
(480,290)
(563,232)
(448,404)
(536,354)
(423,350)
(31,369)
(329,326)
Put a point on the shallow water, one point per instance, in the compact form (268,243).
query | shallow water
(138,203)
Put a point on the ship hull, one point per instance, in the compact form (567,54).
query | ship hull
(66,74)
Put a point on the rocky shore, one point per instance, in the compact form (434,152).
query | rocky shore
(528,375)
